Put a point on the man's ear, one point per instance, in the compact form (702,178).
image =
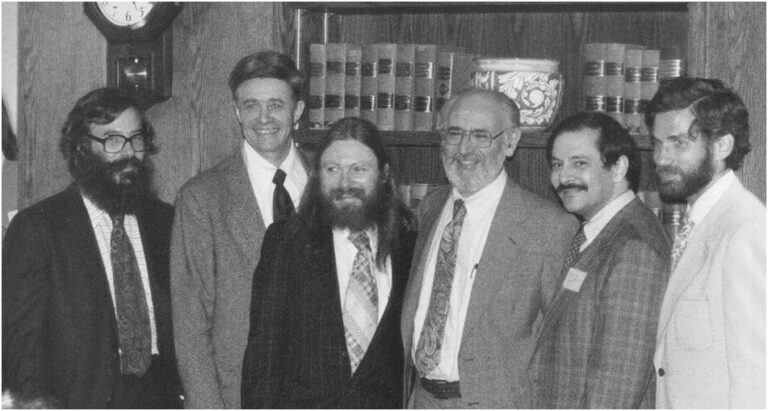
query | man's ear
(723,147)
(512,136)
(298,110)
(620,169)
(237,112)
(385,173)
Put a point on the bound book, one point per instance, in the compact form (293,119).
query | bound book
(594,77)
(633,61)
(352,81)
(385,95)
(614,80)
(425,62)
(316,103)
(369,70)
(335,69)
(454,74)
(404,87)
(649,81)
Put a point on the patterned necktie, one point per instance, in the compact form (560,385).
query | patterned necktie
(133,328)
(361,301)
(681,239)
(431,338)
(574,250)
(282,206)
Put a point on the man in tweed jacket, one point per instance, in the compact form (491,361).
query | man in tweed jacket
(595,348)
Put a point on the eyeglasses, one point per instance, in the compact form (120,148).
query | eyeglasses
(480,138)
(114,143)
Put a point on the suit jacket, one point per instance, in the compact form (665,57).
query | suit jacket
(596,349)
(60,337)
(214,251)
(711,340)
(526,245)
(297,354)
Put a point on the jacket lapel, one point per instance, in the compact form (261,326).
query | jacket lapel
(242,212)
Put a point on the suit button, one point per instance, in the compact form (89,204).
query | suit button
(661,372)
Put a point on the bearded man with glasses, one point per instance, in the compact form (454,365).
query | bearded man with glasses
(484,268)
(86,296)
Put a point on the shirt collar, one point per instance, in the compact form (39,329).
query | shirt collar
(257,160)
(699,209)
(343,235)
(598,221)
(487,196)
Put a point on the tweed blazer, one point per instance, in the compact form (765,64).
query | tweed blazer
(297,355)
(60,339)
(711,342)
(526,245)
(596,348)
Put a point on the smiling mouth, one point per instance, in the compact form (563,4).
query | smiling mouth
(265,131)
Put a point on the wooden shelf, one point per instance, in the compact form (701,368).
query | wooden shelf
(536,140)
(484,7)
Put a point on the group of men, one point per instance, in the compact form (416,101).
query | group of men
(290,280)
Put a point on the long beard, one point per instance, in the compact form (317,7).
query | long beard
(356,217)
(691,182)
(119,187)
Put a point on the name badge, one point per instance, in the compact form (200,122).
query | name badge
(574,279)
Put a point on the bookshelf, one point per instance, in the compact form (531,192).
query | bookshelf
(556,31)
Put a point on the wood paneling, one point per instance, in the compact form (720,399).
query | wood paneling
(727,41)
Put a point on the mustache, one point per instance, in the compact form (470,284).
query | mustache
(562,187)
(339,193)
(667,170)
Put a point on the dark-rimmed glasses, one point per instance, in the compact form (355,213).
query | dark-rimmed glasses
(114,143)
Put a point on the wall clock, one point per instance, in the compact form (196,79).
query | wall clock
(139,46)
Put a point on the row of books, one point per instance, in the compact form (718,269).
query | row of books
(620,79)
(395,86)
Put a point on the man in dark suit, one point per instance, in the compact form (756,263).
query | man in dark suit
(487,254)
(221,216)
(597,340)
(325,310)
(86,299)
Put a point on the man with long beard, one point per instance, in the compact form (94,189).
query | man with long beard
(325,311)
(86,299)
(711,344)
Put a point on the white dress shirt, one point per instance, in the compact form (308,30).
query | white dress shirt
(595,225)
(706,202)
(346,251)
(481,207)
(261,172)
(102,228)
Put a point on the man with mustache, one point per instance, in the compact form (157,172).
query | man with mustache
(86,298)
(325,311)
(595,349)
(711,344)
(484,268)
(221,217)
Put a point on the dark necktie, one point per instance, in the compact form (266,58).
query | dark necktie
(431,338)
(361,300)
(133,327)
(282,206)
(576,242)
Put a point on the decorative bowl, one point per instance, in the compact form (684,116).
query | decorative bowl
(535,85)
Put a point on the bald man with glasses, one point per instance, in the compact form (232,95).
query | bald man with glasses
(485,264)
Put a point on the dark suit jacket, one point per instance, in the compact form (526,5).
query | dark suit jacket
(297,355)
(59,330)
(599,352)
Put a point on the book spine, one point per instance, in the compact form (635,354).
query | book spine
(335,64)
(425,61)
(614,81)
(649,81)
(633,61)
(352,81)
(369,70)
(316,103)
(453,74)
(385,95)
(594,77)
(404,87)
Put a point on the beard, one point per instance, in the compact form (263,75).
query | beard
(690,182)
(117,187)
(356,216)
(469,180)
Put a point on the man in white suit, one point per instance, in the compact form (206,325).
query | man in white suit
(710,349)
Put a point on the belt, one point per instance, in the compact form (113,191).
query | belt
(441,389)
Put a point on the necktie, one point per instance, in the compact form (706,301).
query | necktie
(361,301)
(282,206)
(431,338)
(681,239)
(133,328)
(574,250)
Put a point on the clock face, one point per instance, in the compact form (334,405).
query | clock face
(132,14)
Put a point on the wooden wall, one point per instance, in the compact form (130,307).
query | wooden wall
(727,41)
(197,128)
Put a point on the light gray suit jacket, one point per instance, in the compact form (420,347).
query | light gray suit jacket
(524,252)
(711,340)
(215,246)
